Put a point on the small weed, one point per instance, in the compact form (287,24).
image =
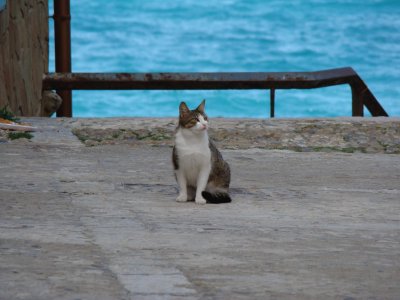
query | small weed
(19,135)
(116,135)
(6,113)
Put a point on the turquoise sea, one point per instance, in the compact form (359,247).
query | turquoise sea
(235,35)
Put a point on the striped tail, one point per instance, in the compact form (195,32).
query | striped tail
(216,198)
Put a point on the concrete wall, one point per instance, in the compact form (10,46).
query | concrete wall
(23,55)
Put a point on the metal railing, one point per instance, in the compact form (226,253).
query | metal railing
(361,95)
(63,81)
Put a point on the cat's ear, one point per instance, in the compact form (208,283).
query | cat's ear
(201,107)
(183,109)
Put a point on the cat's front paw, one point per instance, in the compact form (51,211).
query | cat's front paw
(181,198)
(200,200)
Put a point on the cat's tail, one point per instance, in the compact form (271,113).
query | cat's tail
(216,198)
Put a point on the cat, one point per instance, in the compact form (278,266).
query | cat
(201,172)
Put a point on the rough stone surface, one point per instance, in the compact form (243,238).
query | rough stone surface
(101,222)
(367,135)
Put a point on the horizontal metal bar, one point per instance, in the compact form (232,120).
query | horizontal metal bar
(188,81)
(361,95)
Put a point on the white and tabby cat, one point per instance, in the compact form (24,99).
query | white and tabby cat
(201,172)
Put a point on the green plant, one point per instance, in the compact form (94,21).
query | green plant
(19,135)
(7,114)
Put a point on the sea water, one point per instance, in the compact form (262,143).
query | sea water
(234,36)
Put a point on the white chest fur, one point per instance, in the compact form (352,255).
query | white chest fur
(194,154)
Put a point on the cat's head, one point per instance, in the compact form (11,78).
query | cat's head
(195,120)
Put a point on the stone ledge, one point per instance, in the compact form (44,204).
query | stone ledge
(366,135)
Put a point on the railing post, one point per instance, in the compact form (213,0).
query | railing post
(62,42)
(357,101)
(272,103)
(362,96)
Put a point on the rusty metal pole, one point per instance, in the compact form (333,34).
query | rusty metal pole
(357,101)
(62,42)
(272,103)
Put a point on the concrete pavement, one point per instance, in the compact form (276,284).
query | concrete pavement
(101,222)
